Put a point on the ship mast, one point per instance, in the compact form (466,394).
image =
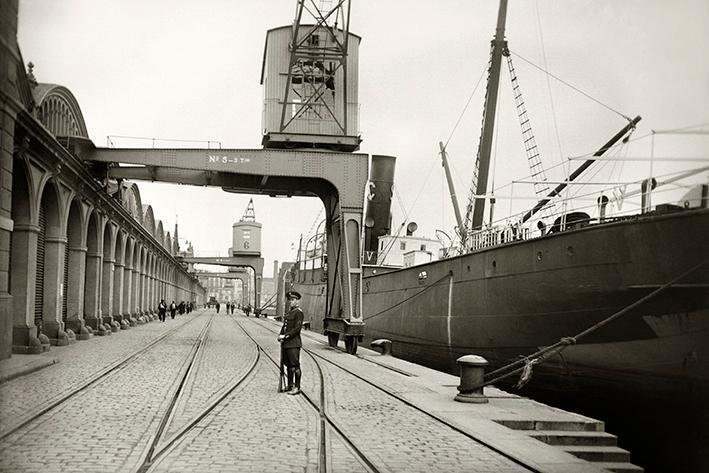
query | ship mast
(476,204)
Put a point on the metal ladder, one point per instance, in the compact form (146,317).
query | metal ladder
(536,169)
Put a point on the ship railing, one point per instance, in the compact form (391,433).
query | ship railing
(497,235)
(602,206)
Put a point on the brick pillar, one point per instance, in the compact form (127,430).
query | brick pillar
(137,302)
(117,304)
(107,291)
(55,248)
(9,98)
(92,289)
(127,306)
(161,288)
(157,286)
(148,292)
(75,291)
(24,270)
(141,288)
(152,287)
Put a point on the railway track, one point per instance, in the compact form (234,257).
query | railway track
(371,445)
(186,362)
(317,402)
(351,424)
(161,445)
(86,384)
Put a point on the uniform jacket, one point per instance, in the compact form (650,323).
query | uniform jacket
(292,323)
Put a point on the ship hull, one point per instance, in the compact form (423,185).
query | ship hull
(507,301)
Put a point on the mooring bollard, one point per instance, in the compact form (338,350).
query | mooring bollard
(472,372)
(382,345)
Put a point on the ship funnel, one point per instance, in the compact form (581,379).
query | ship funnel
(379,193)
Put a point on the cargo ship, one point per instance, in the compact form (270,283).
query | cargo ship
(622,299)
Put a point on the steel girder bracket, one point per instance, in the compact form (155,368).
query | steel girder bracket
(338,179)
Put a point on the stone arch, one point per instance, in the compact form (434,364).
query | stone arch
(51,252)
(59,111)
(149,219)
(22,261)
(119,248)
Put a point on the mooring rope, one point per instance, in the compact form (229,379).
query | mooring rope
(377,314)
(540,355)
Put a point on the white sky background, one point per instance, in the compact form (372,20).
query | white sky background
(190,70)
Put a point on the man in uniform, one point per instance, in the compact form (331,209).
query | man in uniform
(291,342)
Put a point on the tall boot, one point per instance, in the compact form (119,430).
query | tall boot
(290,378)
(296,389)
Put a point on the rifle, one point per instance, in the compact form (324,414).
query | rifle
(282,381)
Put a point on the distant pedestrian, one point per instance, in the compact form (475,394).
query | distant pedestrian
(217,307)
(162,310)
(181,307)
(247,309)
(232,307)
(228,306)
(173,308)
(291,342)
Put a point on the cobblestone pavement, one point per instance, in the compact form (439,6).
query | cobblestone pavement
(400,437)
(107,426)
(110,425)
(22,397)
(394,436)
(257,429)
(226,358)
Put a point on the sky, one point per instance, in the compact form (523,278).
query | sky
(186,70)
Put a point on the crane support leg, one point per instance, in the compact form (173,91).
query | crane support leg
(344,305)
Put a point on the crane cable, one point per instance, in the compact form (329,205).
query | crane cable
(460,117)
(573,87)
